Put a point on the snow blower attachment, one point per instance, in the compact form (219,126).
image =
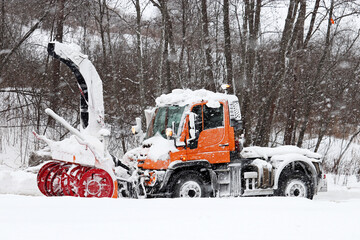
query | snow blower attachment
(82,165)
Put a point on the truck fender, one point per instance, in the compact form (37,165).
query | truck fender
(176,166)
(285,163)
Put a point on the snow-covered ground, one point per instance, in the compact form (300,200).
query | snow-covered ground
(25,214)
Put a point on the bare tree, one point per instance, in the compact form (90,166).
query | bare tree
(140,55)
(227,46)
(209,65)
(170,58)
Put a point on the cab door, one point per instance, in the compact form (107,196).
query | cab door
(211,141)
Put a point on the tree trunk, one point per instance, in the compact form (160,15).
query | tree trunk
(60,17)
(184,7)
(172,60)
(227,47)
(209,80)
(102,6)
(312,22)
(251,25)
(315,85)
(140,57)
(168,43)
(298,36)
(2,26)
(266,112)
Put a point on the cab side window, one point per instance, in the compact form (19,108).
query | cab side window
(198,119)
(197,109)
(213,117)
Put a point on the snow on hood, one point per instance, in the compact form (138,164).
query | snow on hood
(159,148)
(184,97)
(266,152)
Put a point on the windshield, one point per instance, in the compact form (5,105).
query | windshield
(163,119)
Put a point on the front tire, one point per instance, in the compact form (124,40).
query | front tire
(189,184)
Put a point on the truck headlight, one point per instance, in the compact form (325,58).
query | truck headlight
(169,132)
(151,179)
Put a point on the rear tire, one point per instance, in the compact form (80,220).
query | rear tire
(189,184)
(296,185)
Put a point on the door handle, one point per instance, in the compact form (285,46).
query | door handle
(223,145)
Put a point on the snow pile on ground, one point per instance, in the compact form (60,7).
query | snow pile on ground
(225,218)
(341,188)
(331,215)
(18,182)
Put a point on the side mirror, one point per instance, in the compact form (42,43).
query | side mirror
(192,126)
(137,128)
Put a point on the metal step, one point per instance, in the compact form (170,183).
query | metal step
(258,192)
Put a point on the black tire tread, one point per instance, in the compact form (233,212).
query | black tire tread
(299,176)
(183,176)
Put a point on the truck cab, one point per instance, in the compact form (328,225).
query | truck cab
(192,148)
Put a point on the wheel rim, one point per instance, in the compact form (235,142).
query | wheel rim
(51,176)
(96,183)
(70,180)
(42,175)
(55,184)
(296,188)
(190,189)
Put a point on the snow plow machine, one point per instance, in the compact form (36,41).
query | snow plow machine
(192,148)
(81,164)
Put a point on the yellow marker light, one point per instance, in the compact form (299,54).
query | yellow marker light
(133,129)
(169,132)
(225,86)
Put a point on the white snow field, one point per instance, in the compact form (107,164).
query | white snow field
(24,215)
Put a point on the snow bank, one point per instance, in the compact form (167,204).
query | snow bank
(227,218)
(184,97)
(17,182)
(331,215)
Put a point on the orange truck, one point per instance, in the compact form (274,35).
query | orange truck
(193,148)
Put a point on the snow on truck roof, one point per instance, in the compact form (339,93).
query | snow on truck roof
(184,97)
